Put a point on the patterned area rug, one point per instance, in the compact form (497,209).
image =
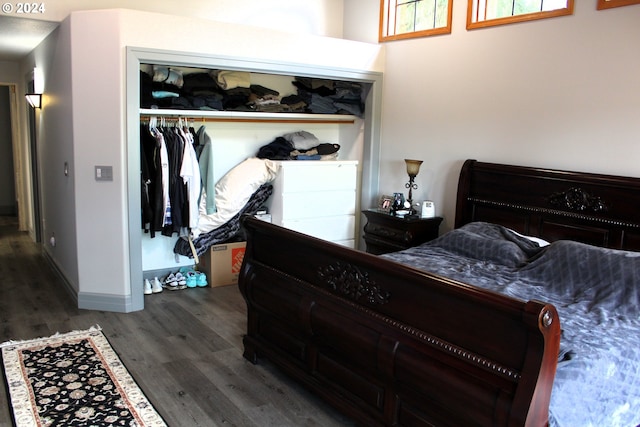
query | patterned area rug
(73,379)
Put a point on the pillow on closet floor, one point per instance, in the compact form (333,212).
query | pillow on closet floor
(233,191)
(235,188)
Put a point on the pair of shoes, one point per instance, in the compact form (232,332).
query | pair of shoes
(147,287)
(190,275)
(156,286)
(194,278)
(175,282)
(202,279)
(152,286)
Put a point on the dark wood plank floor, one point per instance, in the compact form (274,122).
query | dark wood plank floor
(184,349)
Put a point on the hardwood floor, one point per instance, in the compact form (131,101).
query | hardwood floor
(184,349)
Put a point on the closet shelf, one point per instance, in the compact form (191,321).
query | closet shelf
(248,116)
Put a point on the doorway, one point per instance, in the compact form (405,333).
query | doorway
(19,184)
(8,202)
(35,167)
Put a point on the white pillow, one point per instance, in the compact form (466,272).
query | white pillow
(233,191)
(539,241)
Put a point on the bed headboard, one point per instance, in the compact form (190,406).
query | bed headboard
(601,210)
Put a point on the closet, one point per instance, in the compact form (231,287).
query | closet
(331,190)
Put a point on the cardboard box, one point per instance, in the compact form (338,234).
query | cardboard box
(222,263)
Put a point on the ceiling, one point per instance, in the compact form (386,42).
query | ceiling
(19,36)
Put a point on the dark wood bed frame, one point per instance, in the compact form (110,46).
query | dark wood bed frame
(390,345)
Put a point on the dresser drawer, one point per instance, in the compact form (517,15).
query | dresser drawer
(331,228)
(304,176)
(318,204)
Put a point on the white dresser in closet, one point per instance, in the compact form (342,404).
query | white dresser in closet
(317,197)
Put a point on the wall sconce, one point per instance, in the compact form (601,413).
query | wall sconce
(34,99)
(413,167)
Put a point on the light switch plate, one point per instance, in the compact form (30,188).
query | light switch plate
(104,173)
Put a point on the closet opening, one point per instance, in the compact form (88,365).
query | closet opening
(238,129)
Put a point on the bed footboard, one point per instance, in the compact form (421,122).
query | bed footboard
(392,346)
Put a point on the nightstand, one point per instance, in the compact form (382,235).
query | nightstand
(388,233)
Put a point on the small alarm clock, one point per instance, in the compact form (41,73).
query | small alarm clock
(428,209)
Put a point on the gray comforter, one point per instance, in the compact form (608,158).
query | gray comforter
(230,231)
(596,292)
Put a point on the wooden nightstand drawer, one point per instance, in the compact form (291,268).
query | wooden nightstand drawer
(387,233)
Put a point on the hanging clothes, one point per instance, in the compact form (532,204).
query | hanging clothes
(154,177)
(147,178)
(170,179)
(190,173)
(205,160)
(175,148)
(162,203)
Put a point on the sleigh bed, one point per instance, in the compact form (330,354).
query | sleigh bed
(539,280)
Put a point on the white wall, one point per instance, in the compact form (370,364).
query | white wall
(9,72)
(361,20)
(559,93)
(56,144)
(319,17)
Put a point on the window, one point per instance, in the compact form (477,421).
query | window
(403,19)
(485,13)
(608,4)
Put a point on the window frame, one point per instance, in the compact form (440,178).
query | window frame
(518,18)
(414,34)
(610,4)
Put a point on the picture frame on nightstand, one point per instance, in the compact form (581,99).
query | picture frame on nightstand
(385,203)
